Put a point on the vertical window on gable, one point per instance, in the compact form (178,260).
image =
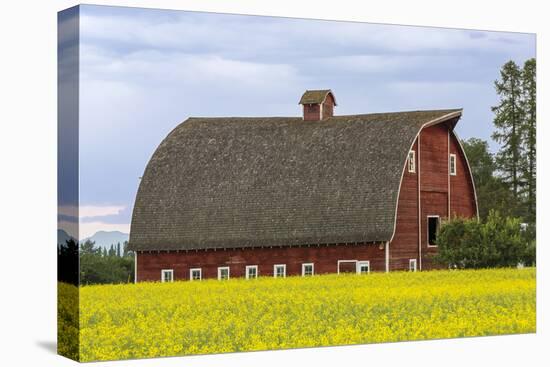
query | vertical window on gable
(433,228)
(412,162)
(452,164)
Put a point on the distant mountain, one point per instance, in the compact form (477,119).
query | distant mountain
(107,238)
(63,237)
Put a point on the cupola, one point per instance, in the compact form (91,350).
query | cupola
(318,104)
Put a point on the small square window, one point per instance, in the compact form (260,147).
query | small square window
(452,165)
(195,274)
(363,267)
(411,161)
(251,271)
(223,273)
(307,269)
(167,275)
(279,270)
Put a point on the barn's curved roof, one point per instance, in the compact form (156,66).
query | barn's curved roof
(247,182)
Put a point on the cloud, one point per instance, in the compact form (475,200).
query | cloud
(144,71)
(277,38)
(90,211)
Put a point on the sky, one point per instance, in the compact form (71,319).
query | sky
(144,71)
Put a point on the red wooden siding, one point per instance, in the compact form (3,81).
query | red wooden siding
(404,245)
(325,258)
(437,190)
(462,190)
(328,106)
(312,112)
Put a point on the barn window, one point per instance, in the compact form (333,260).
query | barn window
(412,162)
(452,164)
(223,272)
(363,267)
(347,266)
(433,227)
(412,265)
(167,275)
(279,270)
(251,271)
(195,274)
(307,269)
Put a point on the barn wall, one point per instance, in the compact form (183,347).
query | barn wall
(462,190)
(324,257)
(312,112)
(404,245)
(434,183)
(432,163)
(328,107)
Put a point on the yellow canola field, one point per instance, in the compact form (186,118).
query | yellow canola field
(211,316)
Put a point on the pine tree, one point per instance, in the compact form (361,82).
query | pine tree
(125,251)
(529,137)
(508,123)
(118,249)
(88,247)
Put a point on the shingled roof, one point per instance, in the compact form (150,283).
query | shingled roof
(315,96)
(248,182)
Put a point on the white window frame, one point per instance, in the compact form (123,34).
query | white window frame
(304,269)
(411,161)
(345,261)
(191,273)
(412,265)
(428,228)
(360,263)
(165,271)
(275,270)
(452,164)
(248,267)
(220,268)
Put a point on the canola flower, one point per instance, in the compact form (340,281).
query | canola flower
(182,318)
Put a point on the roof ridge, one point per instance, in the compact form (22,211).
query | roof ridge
(448,110)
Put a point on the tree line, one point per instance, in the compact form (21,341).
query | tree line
(505,234)
(99,265)
(506,181)
(89,264)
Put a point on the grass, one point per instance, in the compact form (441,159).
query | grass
(183,318)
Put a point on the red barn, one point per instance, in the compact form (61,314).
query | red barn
(281,196)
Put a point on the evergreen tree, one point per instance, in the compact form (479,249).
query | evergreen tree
(67,262)
(112,251)
(125,251)
(508,123)
(88,247)
(528,136)
(118,249)
(492,192)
